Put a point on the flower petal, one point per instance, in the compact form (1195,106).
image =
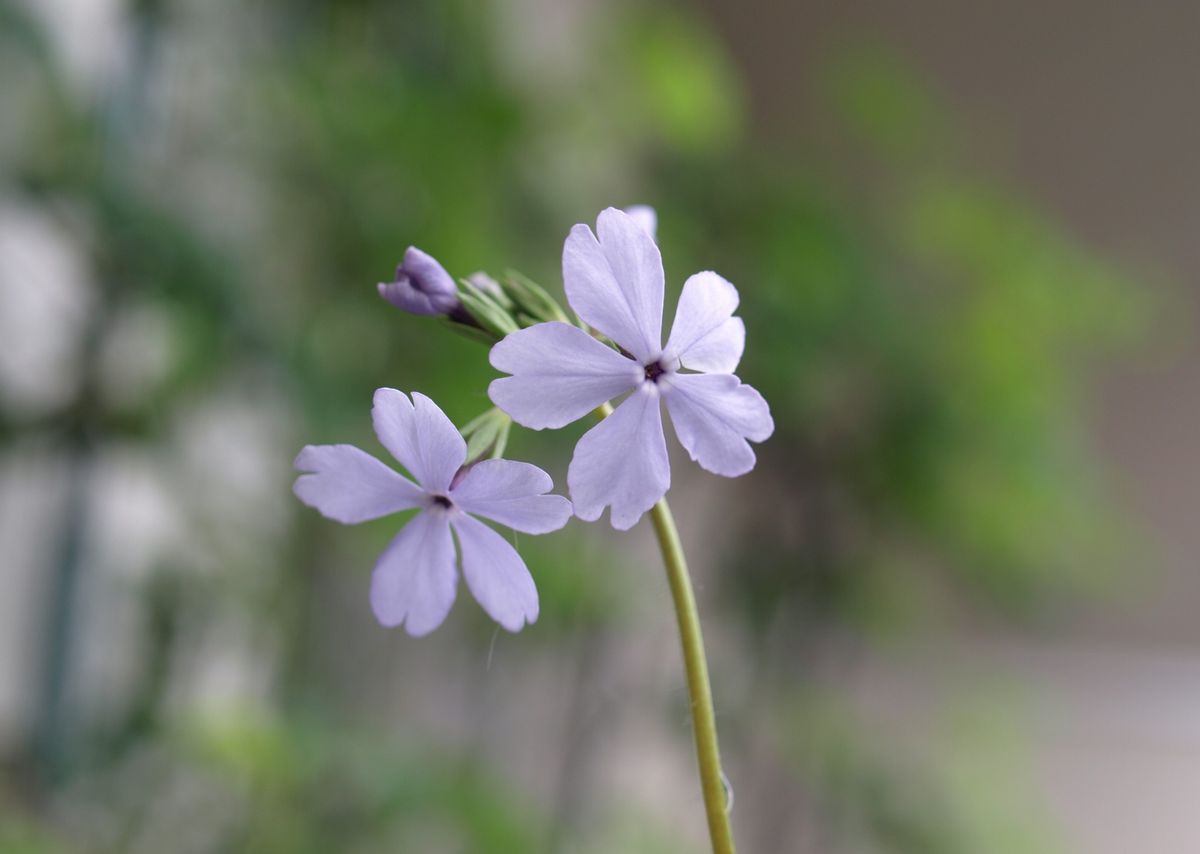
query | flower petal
(495,574)
(615,284)
(560,373)
(405,297)
(349,485)
(420,436)
(622,462)
(705,336)
(414,580)
(646,217)
(714,415)
(510,493)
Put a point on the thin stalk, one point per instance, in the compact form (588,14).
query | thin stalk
(704,722)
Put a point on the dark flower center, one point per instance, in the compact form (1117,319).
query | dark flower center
(654,370)
(443,502)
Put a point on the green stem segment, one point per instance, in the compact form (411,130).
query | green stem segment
(704,722)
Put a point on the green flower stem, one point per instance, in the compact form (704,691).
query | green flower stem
(704,722)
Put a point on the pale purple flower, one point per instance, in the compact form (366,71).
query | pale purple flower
(415,579)
(421,286)
(560,373)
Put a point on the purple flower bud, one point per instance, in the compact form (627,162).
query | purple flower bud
(422,286)
(485,284)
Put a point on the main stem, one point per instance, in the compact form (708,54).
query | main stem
(704,722)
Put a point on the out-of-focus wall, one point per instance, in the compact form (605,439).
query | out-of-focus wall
(1090,109)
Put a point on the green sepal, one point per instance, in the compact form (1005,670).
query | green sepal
(532,299)
(485,310)
(475,333)
(487,435)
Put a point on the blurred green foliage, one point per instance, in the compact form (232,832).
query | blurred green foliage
(923,344)
(881,799)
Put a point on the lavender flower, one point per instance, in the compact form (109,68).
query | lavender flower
(560,373)
(415,579)
(421,286)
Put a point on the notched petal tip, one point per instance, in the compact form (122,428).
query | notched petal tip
(614,281)
(418,434)
(425,401)
(415,581)
(716,417)
(387,395)
(705,336)
(514,625)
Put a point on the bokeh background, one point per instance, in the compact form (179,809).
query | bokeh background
(953,608)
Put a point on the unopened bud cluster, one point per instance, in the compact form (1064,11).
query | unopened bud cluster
(478,303)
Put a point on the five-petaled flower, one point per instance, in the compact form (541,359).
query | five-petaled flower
(614,282)
(415,579)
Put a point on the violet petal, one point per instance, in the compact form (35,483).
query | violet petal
(495,574)
(420,436)
(414,579)
(348,485)
(511,493)
(622,462)
(614,282)
(713,416)
(560,374)
(705,336)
